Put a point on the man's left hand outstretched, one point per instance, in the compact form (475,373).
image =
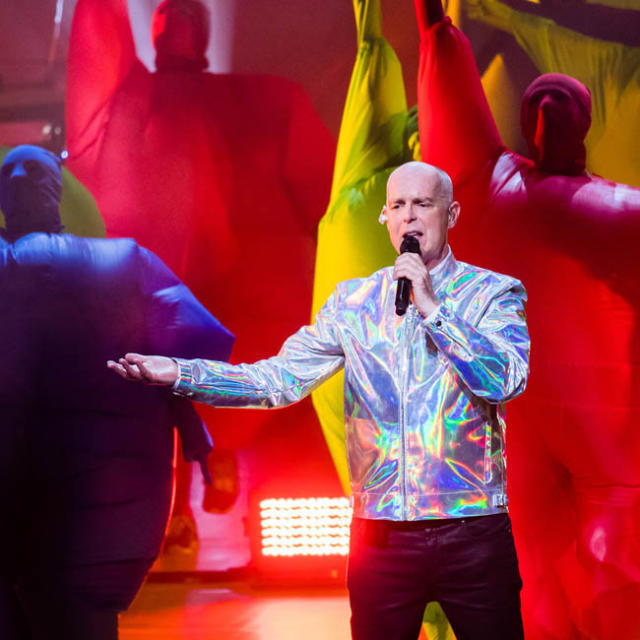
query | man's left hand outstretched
(149,369)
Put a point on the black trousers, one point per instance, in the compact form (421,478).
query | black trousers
(468,565)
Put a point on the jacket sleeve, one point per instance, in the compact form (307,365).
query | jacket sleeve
(306,359)
(491,356)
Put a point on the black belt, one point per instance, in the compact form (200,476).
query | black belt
(421,525)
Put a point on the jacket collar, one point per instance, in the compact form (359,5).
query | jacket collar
(443,272)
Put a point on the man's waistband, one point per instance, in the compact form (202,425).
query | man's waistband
(421,525)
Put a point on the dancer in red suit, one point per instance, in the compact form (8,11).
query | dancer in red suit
(571,238)
(224,176)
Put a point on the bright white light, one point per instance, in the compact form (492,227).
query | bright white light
(57,18)
(305,526)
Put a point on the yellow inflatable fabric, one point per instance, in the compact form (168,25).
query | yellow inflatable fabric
(611,71)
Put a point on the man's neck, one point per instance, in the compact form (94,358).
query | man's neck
(433,264)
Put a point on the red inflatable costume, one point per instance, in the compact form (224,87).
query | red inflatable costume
(574,444)
(224,176)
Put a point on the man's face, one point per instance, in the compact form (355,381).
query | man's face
(416,206)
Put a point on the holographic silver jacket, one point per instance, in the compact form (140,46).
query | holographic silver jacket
(424,397)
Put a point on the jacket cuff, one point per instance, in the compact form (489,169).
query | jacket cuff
(446,329)
(432,316)
(182,385)
(439,317)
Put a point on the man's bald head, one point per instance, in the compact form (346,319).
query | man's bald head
(422,170)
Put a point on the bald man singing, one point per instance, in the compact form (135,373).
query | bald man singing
(424,418)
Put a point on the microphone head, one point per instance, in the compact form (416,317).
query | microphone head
(410,244)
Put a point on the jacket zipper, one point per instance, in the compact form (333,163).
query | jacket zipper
(404,376)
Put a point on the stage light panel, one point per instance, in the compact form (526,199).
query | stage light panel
(304,526)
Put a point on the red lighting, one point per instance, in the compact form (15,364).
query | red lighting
(305,526)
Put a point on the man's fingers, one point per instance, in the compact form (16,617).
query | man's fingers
(125,370)
(118,368)
(409,258)
(138,363)
(401,272)
(408,266)
(132,369)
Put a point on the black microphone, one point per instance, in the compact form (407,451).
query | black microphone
(409,244)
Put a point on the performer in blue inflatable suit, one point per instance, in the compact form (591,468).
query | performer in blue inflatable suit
(85,458)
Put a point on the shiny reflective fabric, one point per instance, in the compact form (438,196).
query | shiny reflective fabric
(423,397)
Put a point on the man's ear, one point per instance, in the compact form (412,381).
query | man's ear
(382,218)
(453,214)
